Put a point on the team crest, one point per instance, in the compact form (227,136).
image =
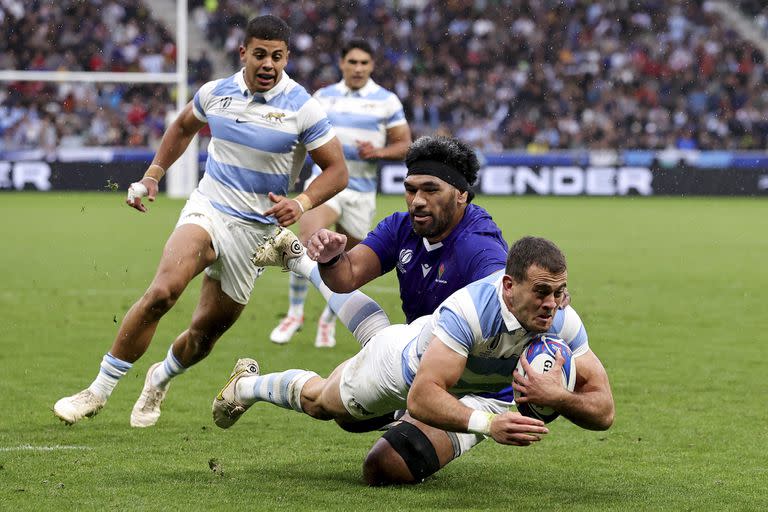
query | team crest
(440,272)
(274,117)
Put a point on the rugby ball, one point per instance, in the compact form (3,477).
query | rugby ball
(540,353)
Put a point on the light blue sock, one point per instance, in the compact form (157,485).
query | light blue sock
(297,295)
(357,311)
(111,371)
(282,389)
(170,368)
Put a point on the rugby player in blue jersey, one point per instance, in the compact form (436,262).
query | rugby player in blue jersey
(452,370)
(262,125)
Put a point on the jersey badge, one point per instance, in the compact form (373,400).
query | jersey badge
(405,257)
(274,117)
(440,272)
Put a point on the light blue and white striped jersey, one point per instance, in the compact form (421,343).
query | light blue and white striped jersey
(366,115)
(476,323)
(259,142)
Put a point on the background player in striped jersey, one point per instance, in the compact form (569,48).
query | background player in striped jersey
(262,125)
(371,126)
(449,368)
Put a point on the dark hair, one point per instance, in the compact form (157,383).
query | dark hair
(532,250)
(268,28)
(360,44)
(449,151)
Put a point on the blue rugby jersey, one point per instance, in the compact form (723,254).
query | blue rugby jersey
(476,323)
(362,115)
(259,142)
(429,273)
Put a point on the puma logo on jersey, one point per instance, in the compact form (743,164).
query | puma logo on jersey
(274,117)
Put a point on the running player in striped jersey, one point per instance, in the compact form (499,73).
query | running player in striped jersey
(371,125)
(262,125)
(446,368)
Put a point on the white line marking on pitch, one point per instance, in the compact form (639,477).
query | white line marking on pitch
(30,448)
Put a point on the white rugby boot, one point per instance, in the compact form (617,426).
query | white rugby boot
(285,330)
(146,410)
(326,334)
(278,250)
(84,404)
(226,408)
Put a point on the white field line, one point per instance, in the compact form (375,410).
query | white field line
(31,448)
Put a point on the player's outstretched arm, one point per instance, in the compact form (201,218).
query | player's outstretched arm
(430,402)
(175,141)
(343,272)
(589,406)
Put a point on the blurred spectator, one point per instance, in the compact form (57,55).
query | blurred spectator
(502,74)
(72,35)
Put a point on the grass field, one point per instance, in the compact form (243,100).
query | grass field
(672,292)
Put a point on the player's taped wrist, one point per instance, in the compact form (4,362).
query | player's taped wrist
(155,172)
(480,422)
(304,202)
(137,191)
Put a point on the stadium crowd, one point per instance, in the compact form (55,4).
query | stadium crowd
(500,74)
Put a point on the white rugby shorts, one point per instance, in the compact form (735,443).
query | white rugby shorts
(372,382)
(356,210)
(233,240)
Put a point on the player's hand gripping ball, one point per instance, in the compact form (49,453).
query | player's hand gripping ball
(541,354)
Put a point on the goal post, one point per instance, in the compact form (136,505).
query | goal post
(183,175)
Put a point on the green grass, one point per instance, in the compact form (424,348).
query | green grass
(671,291)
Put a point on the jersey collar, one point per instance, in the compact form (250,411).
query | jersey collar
(262,97)
(511,323)
(365,90)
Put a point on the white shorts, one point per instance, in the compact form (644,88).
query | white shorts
(234,242)
(372,382)
(356,210)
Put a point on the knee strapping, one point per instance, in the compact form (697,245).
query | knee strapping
(415,448)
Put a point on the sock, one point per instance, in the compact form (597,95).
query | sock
(357,311)
(328,316)
(170,368)
(112,370)
(303,265)
(282,389)
(360,314)
(297,295)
